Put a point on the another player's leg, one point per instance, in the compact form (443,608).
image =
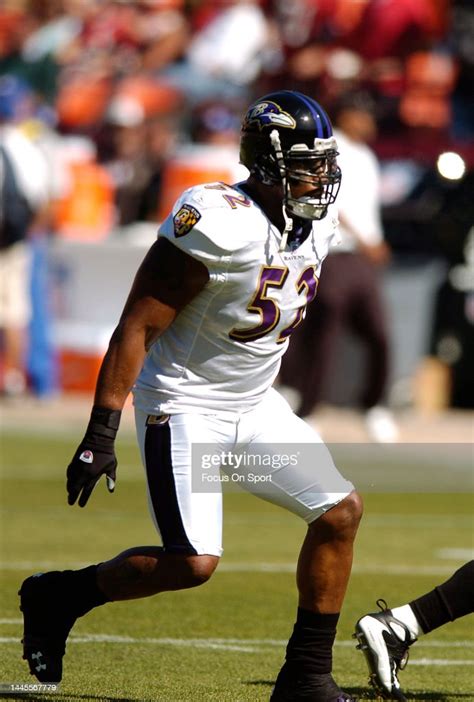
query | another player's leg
(385,640)
(385,636)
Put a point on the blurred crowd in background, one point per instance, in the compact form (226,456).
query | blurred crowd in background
(109,108)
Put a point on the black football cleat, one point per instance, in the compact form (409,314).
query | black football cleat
(294,687)
(385,641)
(46,625)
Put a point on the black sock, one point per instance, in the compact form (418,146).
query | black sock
(84,589)
(309,649)
(447,602)
(74,591)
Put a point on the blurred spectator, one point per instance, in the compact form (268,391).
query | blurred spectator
(54,26)
(225,55)
(306,29)
(78,50)
(164,134)
(39,69)
(25,192)
(349,290)
(131,170)
(142,131)
(332,46)
(123,37)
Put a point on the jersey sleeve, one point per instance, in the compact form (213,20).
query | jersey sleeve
(200,226)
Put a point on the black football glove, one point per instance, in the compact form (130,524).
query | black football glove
(94,457)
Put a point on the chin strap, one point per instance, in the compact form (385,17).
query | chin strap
(276,143)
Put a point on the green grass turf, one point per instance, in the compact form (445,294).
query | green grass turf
(247,614)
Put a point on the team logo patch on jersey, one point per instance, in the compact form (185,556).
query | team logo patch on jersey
(268,113)
(185,219)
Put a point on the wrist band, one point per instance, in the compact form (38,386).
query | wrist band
(104,418)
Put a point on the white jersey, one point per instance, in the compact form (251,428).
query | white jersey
(223,350)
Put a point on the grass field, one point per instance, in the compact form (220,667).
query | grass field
(224,641)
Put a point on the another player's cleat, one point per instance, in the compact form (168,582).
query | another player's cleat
(385,641)
(293,687)
(47,623)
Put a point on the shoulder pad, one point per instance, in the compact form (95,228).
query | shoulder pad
(214,210)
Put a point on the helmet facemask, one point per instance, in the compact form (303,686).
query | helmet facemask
(317,167)
(301,164)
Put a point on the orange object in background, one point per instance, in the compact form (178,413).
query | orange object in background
(78,370)
(154,98)
(178,176)
(82,102)
(195,164)
(86,211)
(430,78)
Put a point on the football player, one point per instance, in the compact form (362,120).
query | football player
(386,636)
(200,340)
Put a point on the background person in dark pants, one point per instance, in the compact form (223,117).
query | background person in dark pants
(349,289)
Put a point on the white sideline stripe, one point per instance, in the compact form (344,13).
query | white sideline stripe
(465,554)
(245,645)
(214,644)
(422,643)
(439,661)
(19,620)
(222,644)
(373,568)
